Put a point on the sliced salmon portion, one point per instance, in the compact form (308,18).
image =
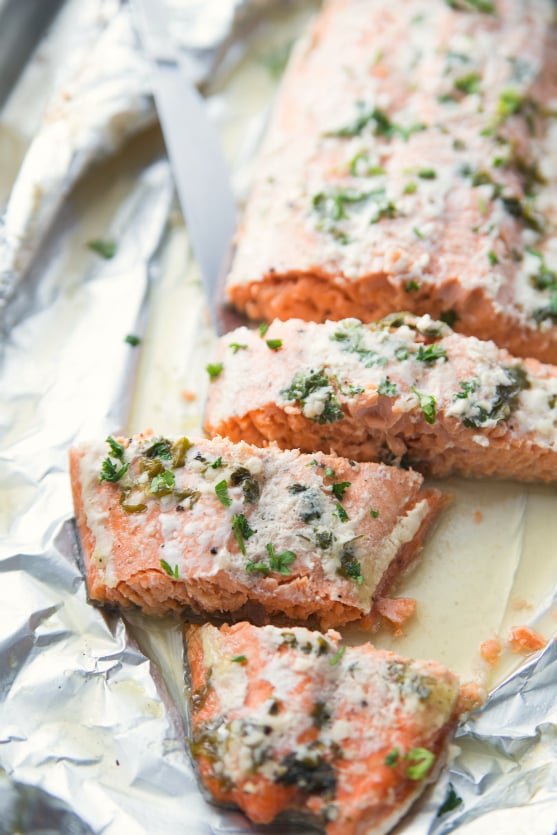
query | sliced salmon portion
(230,529)
(407,389)
(291,720)
(420,178)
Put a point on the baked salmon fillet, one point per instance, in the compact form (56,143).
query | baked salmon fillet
(406,390)
(290,720)
(232,529)
(421,177)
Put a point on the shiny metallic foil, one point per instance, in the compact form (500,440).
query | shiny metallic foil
(93,712)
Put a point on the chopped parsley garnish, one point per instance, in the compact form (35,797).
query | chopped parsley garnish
(329,472)
(427,405)
(106,249)
(379,122)
(340,489)
(341,513)
(427,173)
(485,6)
(252,567)
(133,340)
(549,311)
(401,353)
(263,328)
(492,258)
(351,335)
(239,659)
(337,656)
(360,166)
(410,188)
(431,354)
(420,760)
(221,489)
(274,344)
(505,401)
(214,369)
(449,317)
(392,758)
(304,385)
(469,83)
(387,388)
(217,463)
(451,801)
(412,286)
(116,450)
(280,562)
(242,530)
(236,346)
(163,483)
(172,572)
(111,472)
(160,449)
(374,513)
(467,387)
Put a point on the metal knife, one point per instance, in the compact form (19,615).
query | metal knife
(22,25)
(199,168)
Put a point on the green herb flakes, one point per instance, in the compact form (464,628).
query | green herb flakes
(221,490)
(263,328)
(410,188)
(236,346)
(427,173)
(431,354)
(260,567)
(468,84)
(341,513)
(387,388)
(111,472)
(451,801)
(492,258)
(217,463)
(172,572)
(280,562)
(392,758)
(304,385)
(421,761)
(239,659)
(133,340)
(427,405)
(337,656)
(242,530)
(214,369)
(274,344)
(163,483)
(105,248)
(340,489)
(374,513)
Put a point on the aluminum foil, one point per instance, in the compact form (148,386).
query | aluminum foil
(93,709)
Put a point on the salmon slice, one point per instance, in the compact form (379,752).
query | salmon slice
(421,177)
(407,390)
(223,528)
(290,720)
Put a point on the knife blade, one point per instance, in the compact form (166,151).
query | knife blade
(21,28)
(200,171)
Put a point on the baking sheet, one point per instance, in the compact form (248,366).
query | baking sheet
(93,707)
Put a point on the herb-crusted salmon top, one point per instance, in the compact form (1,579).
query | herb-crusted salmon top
(293,720)
(404,387)
(421,177)
(167,523)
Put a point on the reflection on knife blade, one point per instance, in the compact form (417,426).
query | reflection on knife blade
(200,171)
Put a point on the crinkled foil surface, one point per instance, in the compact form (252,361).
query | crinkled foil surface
(93,712)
